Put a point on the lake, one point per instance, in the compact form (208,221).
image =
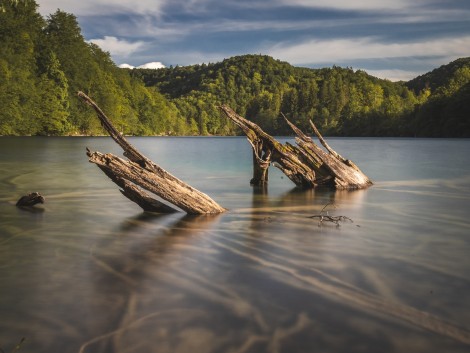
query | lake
(88,271)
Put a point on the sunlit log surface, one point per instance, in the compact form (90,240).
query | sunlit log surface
(143,172)
(306,164)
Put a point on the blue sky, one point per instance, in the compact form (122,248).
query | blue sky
(394,39)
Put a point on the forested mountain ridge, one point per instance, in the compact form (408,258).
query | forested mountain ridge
(45,61)
(440,76)
(341,101)
(446,111)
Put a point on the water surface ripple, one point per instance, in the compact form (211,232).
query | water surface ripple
(89,272)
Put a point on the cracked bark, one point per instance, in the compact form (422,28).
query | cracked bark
(138,173)
(306,164)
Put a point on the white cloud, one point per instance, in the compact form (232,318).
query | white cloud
(126,66)
(100,7)
(152,65)
(341,50)
(118,46)
(354,4)
(149,33)
(192,57)
(156,7)
(394,75)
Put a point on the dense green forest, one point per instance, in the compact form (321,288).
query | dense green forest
(340,101)
(45,61)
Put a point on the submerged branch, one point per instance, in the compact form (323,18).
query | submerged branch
(322,217)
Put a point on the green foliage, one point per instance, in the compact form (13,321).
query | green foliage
(447,110)
(340,101)
(44,62)
(437,77)
(20,28)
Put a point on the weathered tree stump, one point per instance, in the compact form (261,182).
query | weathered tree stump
(267,150)
(139,172)
(261,162)
(30,200)
(307,165)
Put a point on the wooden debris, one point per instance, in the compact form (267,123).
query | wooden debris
(306,164)
(139,172)
(267,150)
(30,200)
(326,217)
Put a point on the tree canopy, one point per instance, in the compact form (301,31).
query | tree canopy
(341,101)
(45,61)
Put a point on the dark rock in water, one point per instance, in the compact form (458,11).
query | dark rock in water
(30,200)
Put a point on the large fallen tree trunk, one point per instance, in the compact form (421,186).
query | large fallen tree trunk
(139,172)
(306,164)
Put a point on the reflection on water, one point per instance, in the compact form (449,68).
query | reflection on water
(91,273)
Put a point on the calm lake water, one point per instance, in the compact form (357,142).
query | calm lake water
(89,272)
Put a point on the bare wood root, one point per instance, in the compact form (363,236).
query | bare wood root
(141,171)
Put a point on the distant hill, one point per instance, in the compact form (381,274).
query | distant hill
(340,100)
(446,110)
(438,77)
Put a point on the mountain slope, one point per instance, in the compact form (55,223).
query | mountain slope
(340,100)
(446,110)
(44,62)
(438,77)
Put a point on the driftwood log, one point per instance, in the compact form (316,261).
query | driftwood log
(306,164)
(138,173)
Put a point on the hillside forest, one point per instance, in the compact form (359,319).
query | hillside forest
(45,61)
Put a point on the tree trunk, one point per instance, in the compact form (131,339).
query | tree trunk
(260,166)
(306,164)
(285,157)
(141,171)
